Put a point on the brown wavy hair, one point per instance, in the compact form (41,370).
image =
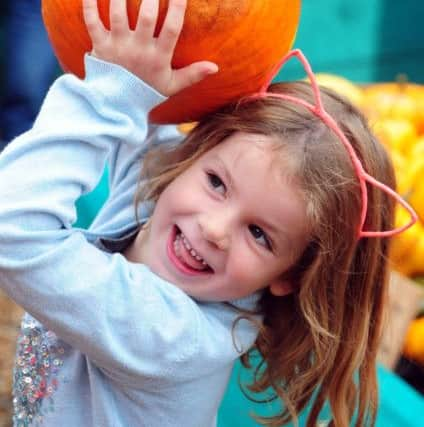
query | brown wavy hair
(320,343)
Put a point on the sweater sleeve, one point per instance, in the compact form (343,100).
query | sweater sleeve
(127,320)
(118,213)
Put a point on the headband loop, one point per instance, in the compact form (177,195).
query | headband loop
(318,109)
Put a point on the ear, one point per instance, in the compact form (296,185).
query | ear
(281,287)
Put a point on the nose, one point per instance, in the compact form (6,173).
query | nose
(215,228)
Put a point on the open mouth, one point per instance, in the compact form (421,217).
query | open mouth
(184,256)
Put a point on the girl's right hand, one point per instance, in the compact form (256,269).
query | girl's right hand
(146,56)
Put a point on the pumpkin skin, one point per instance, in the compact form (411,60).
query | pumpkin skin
(246,38)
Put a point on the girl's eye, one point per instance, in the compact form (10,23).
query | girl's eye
(216,183)
(260,236)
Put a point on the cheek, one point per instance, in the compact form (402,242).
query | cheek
(184,190)
(247,269)
(172,197)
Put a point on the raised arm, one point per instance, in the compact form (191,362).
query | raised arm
(93,300)
(148,58)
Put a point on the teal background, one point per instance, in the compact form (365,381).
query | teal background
(399,406)
(363,40)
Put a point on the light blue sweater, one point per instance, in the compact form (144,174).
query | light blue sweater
(113,344)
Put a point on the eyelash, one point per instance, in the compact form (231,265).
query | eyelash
(253,229)
(214,177)
(215,182)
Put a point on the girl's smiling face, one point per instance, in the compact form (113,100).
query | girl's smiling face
(229,225)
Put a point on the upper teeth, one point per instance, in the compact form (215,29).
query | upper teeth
(193,253)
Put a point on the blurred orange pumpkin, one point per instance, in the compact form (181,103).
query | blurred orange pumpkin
(414,342)
(246,38)
(400,100)
(398,134)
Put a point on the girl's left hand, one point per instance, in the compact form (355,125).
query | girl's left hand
(146,56)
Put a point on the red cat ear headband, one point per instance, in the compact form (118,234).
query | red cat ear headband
(318,109)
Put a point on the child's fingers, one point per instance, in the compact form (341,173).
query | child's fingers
(172,27)
(92,20)
(193,73)
(118,16)
(146,22)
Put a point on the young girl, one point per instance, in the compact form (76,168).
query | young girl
(249,236)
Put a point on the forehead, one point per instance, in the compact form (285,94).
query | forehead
(260,156)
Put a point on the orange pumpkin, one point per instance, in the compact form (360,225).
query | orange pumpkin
(246,38)
(395,100)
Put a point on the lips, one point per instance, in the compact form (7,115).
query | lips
(184,257)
